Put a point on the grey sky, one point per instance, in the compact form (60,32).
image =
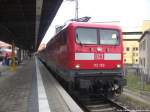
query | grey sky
(129,12)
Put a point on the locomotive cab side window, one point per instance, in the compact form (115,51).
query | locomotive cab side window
(86,36)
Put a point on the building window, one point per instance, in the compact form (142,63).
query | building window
(127,49)
(124,60)
(135,48)
(144,44)
(140,46)
(140,61)
(144,62)
(136,60)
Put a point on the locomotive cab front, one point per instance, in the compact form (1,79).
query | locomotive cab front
(97,56)
(99,49)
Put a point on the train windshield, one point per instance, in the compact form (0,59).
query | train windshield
(97,36)
(109,37)
(86,36)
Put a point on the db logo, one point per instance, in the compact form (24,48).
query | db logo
(98,56)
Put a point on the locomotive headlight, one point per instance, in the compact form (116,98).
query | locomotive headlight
(99,49)
(77,66)
(118,66)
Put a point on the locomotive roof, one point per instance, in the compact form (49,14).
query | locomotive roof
(87,24)
(93,25)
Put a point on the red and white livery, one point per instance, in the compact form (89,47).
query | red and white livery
(87,55)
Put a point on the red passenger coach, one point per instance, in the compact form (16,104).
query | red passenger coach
(88,55)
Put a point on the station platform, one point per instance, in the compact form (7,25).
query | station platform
(32,88)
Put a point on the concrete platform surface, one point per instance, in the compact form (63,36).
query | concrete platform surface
(32,88)
(59,100)
(15,88)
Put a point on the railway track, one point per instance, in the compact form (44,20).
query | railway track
(94,102)
(99,104)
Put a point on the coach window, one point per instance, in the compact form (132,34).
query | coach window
(61,38)
(86,36)
(127,49)
(64,38)
(109,37)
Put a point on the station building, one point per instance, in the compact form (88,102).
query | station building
(131,36)
(145,54)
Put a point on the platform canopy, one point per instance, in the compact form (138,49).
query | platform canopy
(26,21)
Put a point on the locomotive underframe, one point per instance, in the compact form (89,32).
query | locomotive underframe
(106,81)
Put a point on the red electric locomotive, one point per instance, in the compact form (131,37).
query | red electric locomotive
(88,55)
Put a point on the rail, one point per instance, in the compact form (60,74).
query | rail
(97,103)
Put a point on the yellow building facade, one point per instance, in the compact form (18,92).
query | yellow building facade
(131,51)
(131,43)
